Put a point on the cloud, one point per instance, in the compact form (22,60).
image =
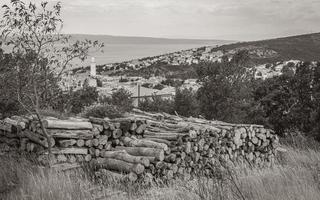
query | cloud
(227,19)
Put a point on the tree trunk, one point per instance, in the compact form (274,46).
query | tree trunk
(142,151)
(119,165)
(123,155)
(69,125)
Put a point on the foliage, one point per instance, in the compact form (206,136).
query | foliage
(172,82)
(157,104)
(147,85)
(225,93)
(123,80)
(75,101)
(162,69)
(99,83)
(41,52)
(159,87)
(102,111)
(291,101)
(122,99)
(185,102)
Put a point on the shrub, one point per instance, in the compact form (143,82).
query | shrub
(147,85)
(102,111)
(158,87)
(186,103)
(122,99)
(123,80)
(157,104)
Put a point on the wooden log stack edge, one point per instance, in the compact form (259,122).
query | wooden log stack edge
(141,145)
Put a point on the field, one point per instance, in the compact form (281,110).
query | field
(296,175)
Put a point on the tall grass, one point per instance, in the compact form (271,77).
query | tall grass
(296,175)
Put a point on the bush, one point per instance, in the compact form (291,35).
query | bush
(102,111)
(186,103)
(123,80)
(147,85)
(158,87)
(122,99)
(75,101)
(157,104)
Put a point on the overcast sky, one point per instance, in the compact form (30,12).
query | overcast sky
(211,19)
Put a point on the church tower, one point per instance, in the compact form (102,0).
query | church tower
(93,68)
(93,73)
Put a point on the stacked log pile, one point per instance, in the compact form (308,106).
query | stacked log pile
(141,144)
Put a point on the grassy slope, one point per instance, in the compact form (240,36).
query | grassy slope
(296,176)
(301,47)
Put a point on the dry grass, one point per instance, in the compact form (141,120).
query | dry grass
(296,176)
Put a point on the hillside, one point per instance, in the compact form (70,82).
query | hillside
(273,51)
(301,47)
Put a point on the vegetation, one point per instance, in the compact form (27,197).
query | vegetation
(301,47)
(115,106)
(39,54)
(294,176)
(229,92)
(157,104)
(164,70)
(186,103)
(102,111)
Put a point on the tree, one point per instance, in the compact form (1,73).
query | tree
(226,88)
(157,104)
(33,33)
(185,102)
(122,99)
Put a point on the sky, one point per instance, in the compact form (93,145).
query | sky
(241,20)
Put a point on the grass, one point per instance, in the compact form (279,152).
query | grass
(296,175)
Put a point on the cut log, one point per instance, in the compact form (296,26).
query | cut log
(80,143)
(95,131)
(88,158)
(95,142)
(15,123)
(6,126)
(88,143)
(107,133)
(117,133)
(143,143)
(67,143)
(39,139)
(141,129)
(142,151)
(119,165)
(99,121)
(69,125)
(82,151)
(62,158)
(168,143)
(98,127)
(167,137)
(103,140)
(70,134)
(123,155)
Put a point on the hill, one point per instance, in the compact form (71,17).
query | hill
(301,47)
(273,52)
